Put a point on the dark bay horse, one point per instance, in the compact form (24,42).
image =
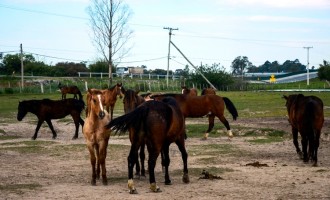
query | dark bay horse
(189,91)
(96,135)
(208,91)
(306,117)
(199,106)
(110,97)
(70,90)
(158,124)
(131,100)
(47,109)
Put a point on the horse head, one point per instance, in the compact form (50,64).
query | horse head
(131,100)
(22,110)
(95,101)
(120,90)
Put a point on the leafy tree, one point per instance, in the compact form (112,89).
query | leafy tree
(214,73)
(109,23)
(12,63)
(37,69)
(69,69)
(240,65)
(324,71)
(99,66)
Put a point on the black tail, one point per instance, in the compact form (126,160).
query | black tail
(309,119)
(79,105)
(230,107)
(132,119)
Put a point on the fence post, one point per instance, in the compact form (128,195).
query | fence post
(42,87)
(86,85)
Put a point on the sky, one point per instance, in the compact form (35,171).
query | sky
(209,31)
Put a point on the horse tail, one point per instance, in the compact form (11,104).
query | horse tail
(79,105)
(230,107)
(80,95)
(133,119)
(308,119)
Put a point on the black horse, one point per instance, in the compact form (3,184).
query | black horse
(306,117)
(158,124)
(47,109)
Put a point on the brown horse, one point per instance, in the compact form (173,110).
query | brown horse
(47,109)
(110,97)
(306,117)
(70,90)
(96,135)
(131,100)
(189,91)
(158,124)
(208,91)
(199,106)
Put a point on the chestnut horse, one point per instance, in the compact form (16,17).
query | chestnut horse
(47,109)
(191,91)
(306,117)
(70,90)
(158,124)
(96,135)
(199,106)
(208,91)
(131,101)
(110,97)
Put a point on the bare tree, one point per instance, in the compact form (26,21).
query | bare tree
(109,23)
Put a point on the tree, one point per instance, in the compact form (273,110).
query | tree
(324,71)
(240,65)
(109,23)
(12,63)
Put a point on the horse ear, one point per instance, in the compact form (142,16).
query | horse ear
(285,97)
(119,84)
(137,92)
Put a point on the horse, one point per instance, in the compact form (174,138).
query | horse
(70,90)
(47,109)
(158,124)
(199,106)
(208,91)
(110,97)
(187,91)
(131,101)
(96,135)
(306,117)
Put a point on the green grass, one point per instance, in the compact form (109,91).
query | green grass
(270,136)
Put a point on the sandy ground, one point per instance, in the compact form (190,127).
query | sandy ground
(61,169)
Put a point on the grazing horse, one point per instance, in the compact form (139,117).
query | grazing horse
(158,124)
(199,106)
(47,109)
(70,90)
(187,91)
(96,135)
(306,117)
(110,97)
(208,91)
(131,101)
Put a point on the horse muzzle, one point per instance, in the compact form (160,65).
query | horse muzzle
(101,114)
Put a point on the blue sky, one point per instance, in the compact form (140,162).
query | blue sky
(210,31)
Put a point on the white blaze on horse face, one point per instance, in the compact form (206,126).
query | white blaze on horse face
(100,102)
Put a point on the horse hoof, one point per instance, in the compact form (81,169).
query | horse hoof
(155,188)
(133,191)
(168,182)
(105,182)
(93,182)
(185,178)
(33,138)
(74,138)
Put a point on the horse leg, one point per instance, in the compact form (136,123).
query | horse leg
(304,143)
(211,125)
(166,162)
(51,128)
(316,146)
(37,129)
(181,145)
(102,157)
(111,110)
(153,155)
(132,159)
(295,141)
(81,122)
(93,161)
(97,152)
(76,123)
(226,123)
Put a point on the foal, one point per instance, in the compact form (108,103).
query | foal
(96,135)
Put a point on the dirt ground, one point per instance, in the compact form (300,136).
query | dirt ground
(61,168)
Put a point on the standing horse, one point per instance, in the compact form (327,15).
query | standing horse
(208,91)
(306,117)
(110,97)
(131,101)
(70,90)
(96,135)
(199,106)
(187,91)
(158,124)
(47,109)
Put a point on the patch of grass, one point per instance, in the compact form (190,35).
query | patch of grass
(19,188)
(27,146)
(197,130)
(271,136)
(8,137)
(211,149)
(266,140)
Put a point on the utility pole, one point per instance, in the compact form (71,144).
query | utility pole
(22,67)
(169,46)
(307,63)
